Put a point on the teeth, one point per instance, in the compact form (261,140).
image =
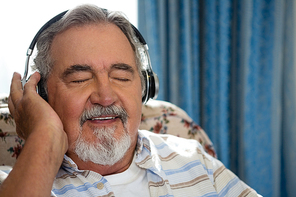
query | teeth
(105,118)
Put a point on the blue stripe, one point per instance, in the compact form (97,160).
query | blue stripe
(229,186)
(6,171)
(187,167)
(81,188)
(212,194)
(167,195)
(161,146)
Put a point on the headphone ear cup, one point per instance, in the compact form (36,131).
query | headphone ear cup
(41,90)
(145,95)
(151,85)
(154,85)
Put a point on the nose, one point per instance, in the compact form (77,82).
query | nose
(103,92)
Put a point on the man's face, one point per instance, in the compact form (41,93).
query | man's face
(94,65)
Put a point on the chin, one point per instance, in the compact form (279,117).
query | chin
(106,150)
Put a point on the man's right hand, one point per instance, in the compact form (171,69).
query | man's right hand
(46,141)
(29,110)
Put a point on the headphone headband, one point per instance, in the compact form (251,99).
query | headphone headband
(34,41)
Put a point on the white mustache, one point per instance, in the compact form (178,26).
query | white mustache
(99,110)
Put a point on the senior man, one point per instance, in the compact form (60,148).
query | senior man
(85,141)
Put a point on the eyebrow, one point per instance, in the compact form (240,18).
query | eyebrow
(123,66)
(76,68)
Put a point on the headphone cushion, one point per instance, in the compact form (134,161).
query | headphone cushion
(41,90)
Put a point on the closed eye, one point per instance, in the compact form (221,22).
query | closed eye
(80,81)
(122,72)
(77,74)
(122,79)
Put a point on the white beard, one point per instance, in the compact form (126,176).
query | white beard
(106,150)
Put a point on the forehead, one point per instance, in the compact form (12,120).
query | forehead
(92,44)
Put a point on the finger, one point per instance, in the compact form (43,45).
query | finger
(34,78)
(16,90)
(11,106)
(32,82)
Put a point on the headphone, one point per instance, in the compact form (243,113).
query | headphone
(150,78)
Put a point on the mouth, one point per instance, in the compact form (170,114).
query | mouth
(104,115)
(103,118)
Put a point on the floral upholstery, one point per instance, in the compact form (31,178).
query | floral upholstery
(157,117)
(10,144)
(166,118)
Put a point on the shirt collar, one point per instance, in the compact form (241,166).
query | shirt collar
(147,154)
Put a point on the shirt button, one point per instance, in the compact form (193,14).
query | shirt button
(100,185)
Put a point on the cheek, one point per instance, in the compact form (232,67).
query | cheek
(68,106)
(69,109)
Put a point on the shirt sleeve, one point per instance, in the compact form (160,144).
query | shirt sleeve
(227,183)
(4,171)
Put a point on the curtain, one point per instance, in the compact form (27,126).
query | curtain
(230,65)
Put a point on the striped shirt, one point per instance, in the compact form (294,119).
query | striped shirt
(175,167)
